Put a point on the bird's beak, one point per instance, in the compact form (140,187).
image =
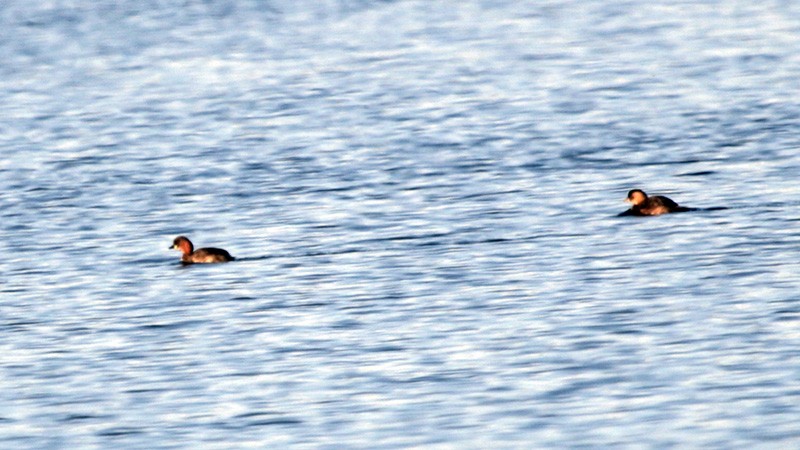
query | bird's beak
(627,200)
(172,246)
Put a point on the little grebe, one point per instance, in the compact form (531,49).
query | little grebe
(642,205)
(202,255)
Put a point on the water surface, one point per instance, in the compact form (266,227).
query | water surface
(422,197)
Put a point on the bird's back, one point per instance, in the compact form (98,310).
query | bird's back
(209,255)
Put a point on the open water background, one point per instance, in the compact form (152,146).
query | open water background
(422,197)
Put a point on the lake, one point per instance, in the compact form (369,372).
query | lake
(422,198)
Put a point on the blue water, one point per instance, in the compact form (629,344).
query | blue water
(422,197)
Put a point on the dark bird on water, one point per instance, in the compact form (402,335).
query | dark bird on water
(644,205)
(201,255)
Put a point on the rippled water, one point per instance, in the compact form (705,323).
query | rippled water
(422,197)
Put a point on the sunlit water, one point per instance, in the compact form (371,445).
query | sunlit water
(422,197)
